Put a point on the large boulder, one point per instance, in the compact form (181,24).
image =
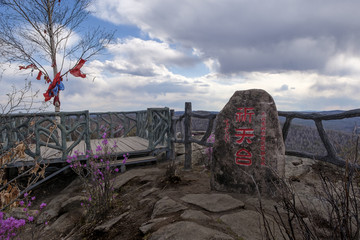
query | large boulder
(248,147)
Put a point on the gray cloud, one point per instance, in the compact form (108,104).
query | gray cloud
(249,35)
(284,87)
(154,88)
(145,57)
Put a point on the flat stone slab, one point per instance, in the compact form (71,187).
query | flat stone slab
(194,215)
(248,224)
(213,202)
(188,230)
(105,227)
(165,206)
(148,192)
(124,178)
(147,227)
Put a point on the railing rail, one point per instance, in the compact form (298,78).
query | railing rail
(185,121)
(63,131)
(332,156)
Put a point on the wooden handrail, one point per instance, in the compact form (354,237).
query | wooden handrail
(331,157)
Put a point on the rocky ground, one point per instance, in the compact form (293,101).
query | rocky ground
(150,206)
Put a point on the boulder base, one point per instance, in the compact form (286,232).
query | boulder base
(248,144)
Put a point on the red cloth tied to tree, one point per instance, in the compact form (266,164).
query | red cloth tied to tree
(39,75)
(33,67)
(76,70)
(28,66)
(51,92)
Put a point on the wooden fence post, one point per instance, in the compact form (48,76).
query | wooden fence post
(172,135)
(188,134)
(150,129)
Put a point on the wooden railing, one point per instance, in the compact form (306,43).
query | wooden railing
(158,125)
(318,118)
(57,130)
(185,122)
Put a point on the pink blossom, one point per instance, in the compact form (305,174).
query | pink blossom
(98,148)
(105,141)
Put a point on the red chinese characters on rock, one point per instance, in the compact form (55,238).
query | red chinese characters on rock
(263,138)
(243,114)
(244,134)
(243,157)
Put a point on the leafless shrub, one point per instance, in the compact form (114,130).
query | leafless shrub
(335,215)
(18,100)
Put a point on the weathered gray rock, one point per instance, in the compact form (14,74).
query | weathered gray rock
(148,226)
(52,209)
(248,142)
(188,230)
(194,215)
(72,203)
(148,192)
(65,223)
(248,224)
(213,202)
(75,186)
(105,227)
(165,206)
(124,178)
(296,168)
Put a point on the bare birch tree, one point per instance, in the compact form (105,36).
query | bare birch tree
(39,33)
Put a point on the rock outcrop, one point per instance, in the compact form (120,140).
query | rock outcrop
(249,151)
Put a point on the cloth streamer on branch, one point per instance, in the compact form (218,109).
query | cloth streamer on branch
(54,88)
(76,70)
(39,75)
(33,67)
(28,66)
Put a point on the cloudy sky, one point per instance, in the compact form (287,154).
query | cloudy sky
(305,53)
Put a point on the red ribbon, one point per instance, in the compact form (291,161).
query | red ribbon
(48,93)
(28,66)
(76,70)
(39,75)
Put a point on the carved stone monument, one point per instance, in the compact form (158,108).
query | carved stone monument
(248,144)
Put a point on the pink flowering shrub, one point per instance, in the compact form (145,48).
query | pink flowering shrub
(10,227)
(97,174)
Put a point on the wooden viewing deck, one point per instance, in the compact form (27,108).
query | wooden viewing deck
(51,137)
(135,147)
